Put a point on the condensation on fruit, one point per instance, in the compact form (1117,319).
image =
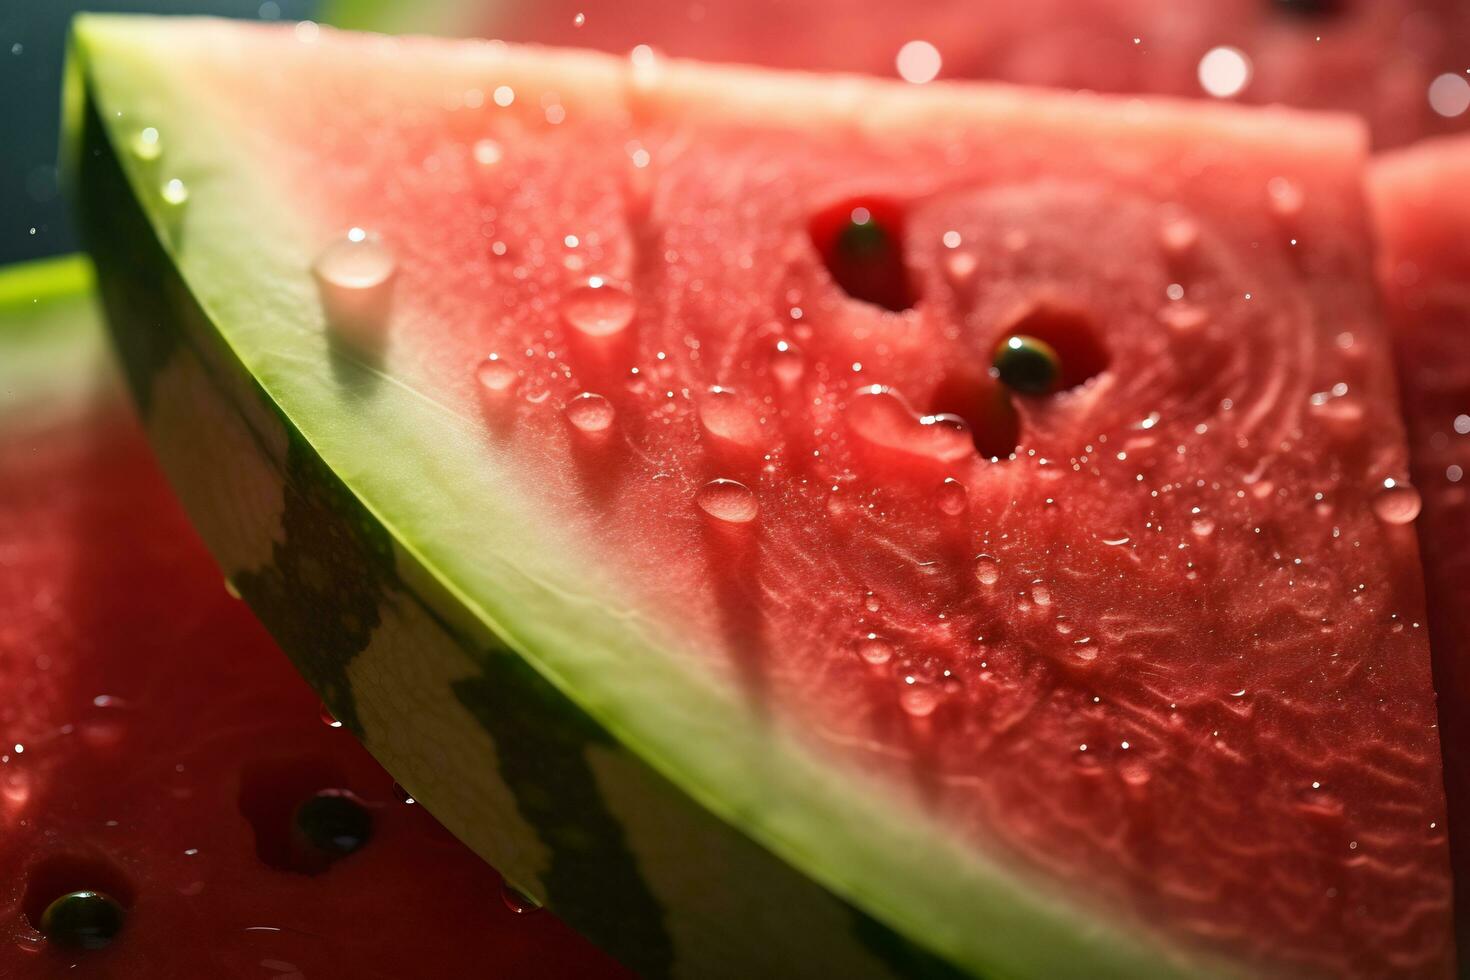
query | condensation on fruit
(951,497)
(875,649)
(879,416)
(1397,502)
(728,501)
(725,415)
(494,375)
(590,413)
(599,308)
(354,278)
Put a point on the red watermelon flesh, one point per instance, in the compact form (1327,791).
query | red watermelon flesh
(1424,220)
(1169,653)
(1375,57)
(156,741)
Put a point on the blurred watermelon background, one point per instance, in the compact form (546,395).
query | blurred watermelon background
(32,46)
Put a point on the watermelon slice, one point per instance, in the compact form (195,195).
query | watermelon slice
(1423,219)
(1400,63)
(518,392)
(156,742)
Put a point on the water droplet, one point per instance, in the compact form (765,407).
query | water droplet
(1202,527)
(516,900)
(1224,72)
(1286,197)
(355,278)
(1041,595)
(960,267)
(987,570)
(599,308)
(579,20)
(884,419)
(328,718)
(146,146)
(403,795)
(174,193)
(918,698)
(495,376)
(1183,318)
(590,413)
(787,363)
(951,498)
(231,589)
(488,152)
(725,415)
(918,62)
(1396,503)
(875,649)
(1178,237)
(728,501)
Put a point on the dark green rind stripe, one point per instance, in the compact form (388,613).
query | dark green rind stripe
(594,879)
(335,561)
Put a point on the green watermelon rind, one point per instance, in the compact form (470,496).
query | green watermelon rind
(51,349)
(617,803)
(444,17)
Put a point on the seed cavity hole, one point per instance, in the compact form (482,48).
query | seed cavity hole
(860,241)
(61,874)
(303,818)
(1066,336)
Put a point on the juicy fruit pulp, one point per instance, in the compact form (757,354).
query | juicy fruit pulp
(156,740)
(1159,671)
(1423,217)
(1397,62)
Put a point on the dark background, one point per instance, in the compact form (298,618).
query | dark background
(33,219)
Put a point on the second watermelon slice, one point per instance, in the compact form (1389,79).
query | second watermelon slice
(616,446)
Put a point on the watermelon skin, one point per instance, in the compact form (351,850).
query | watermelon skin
(1423,218)
(183,372)
(154,711)
(1374,58)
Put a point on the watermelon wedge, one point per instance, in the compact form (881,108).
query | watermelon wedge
(529,399)
(1400,63)
(156,742)
(1423,219)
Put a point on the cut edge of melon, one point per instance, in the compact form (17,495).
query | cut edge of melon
(799,810)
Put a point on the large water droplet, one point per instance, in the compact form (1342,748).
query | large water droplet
(328,719)
(884,419)
(355,279)
(175,193)
(1178,236)
(1286,197)
(495,376)
(987,570)
(875,649)
(590,413)
(599,308)
(516,900)
(488,152)
(951,497)
(787,363)
(917,697)
(1397,503)
(728,501)
(146,145)
(725,415)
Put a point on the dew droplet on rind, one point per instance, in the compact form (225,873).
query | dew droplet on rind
(145,145)
(174,192)
(516,900)
(354,277)
(1027,365)
(333,823)
(82,920)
